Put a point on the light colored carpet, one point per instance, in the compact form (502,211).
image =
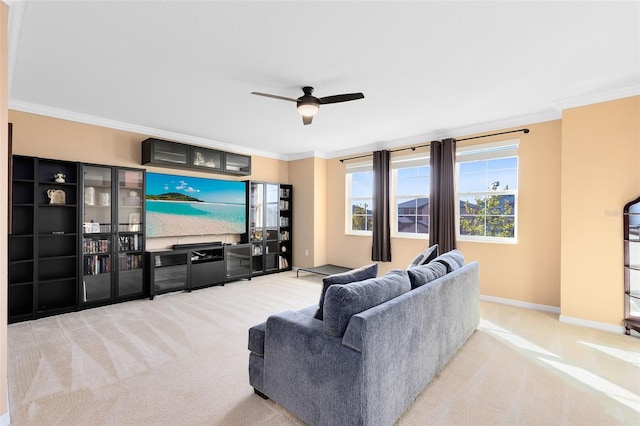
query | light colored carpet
(182,358)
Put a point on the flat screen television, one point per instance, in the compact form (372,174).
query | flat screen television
(183,205)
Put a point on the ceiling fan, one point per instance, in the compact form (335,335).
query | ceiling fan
(308,105)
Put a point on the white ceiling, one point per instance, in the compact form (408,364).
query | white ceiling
(184,70)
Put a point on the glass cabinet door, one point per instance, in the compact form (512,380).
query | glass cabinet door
(97,255)
(273,199)
(130,236)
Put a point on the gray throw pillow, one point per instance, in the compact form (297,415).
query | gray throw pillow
(425,256)
(360,274)
(420,275)
(342,301)
(453,260)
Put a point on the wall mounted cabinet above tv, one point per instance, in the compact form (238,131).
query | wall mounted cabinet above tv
(174,155)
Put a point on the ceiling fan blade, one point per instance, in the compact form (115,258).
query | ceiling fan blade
(307,119)
(341,98)
(284,98)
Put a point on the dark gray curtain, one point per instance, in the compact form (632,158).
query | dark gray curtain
(442,199)
(381,249)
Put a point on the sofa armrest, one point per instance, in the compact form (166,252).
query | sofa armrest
(310,373)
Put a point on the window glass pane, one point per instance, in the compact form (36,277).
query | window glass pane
(488,215)
(360,193)
(504,172)
(362,184)
(411,190)
(361,215)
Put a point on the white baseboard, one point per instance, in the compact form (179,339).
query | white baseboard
(592,324)
(520,304)
(554,309)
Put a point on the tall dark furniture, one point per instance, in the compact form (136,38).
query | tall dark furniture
(631,232)
(269,226)
(77,236)
(43,246)
(112,234)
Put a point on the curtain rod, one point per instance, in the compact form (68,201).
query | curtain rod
(413,148)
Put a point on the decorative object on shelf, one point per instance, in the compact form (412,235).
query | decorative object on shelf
(134,222)
(56,196)
(105,198)
(133,200)
(90,196)
(59,177)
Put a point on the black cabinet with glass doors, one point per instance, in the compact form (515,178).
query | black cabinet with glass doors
(112,234)
(163,153)
(269,225)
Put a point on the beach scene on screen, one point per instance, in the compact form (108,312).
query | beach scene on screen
(183,205)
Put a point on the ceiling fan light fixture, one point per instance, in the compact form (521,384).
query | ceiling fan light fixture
(307,108)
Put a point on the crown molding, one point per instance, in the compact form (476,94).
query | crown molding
(594,98)
(134,128)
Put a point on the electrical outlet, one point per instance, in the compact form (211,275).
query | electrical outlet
(306,252)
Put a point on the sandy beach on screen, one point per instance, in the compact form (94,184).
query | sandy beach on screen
(166,225)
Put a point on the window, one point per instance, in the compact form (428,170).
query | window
(486,183)
(359,190)
(487,192)
(410,182)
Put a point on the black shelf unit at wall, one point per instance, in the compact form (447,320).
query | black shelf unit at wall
(43,244)
(631,235)
(269,226)
(66,252)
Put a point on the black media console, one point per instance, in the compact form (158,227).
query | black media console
(191,266)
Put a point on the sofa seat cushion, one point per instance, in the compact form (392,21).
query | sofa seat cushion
(420,275)
(453,260)
(425,256)
(360,274)
(342,301)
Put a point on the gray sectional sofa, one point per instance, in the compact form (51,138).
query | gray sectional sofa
(379,343)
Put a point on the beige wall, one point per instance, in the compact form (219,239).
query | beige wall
(528,271)
(320,211)
(47,137)
(302,175)
(4,99)
(600,174)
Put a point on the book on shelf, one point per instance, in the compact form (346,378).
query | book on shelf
(284,263)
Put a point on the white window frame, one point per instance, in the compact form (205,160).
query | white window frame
(350,170)
(405,161)
(488,151)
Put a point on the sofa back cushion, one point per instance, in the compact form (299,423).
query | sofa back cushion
(342,301)
(359,274)
(453,260)
(425,256)
(420,275)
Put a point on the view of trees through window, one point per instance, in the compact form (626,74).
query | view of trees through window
(362,201)
(487,197)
